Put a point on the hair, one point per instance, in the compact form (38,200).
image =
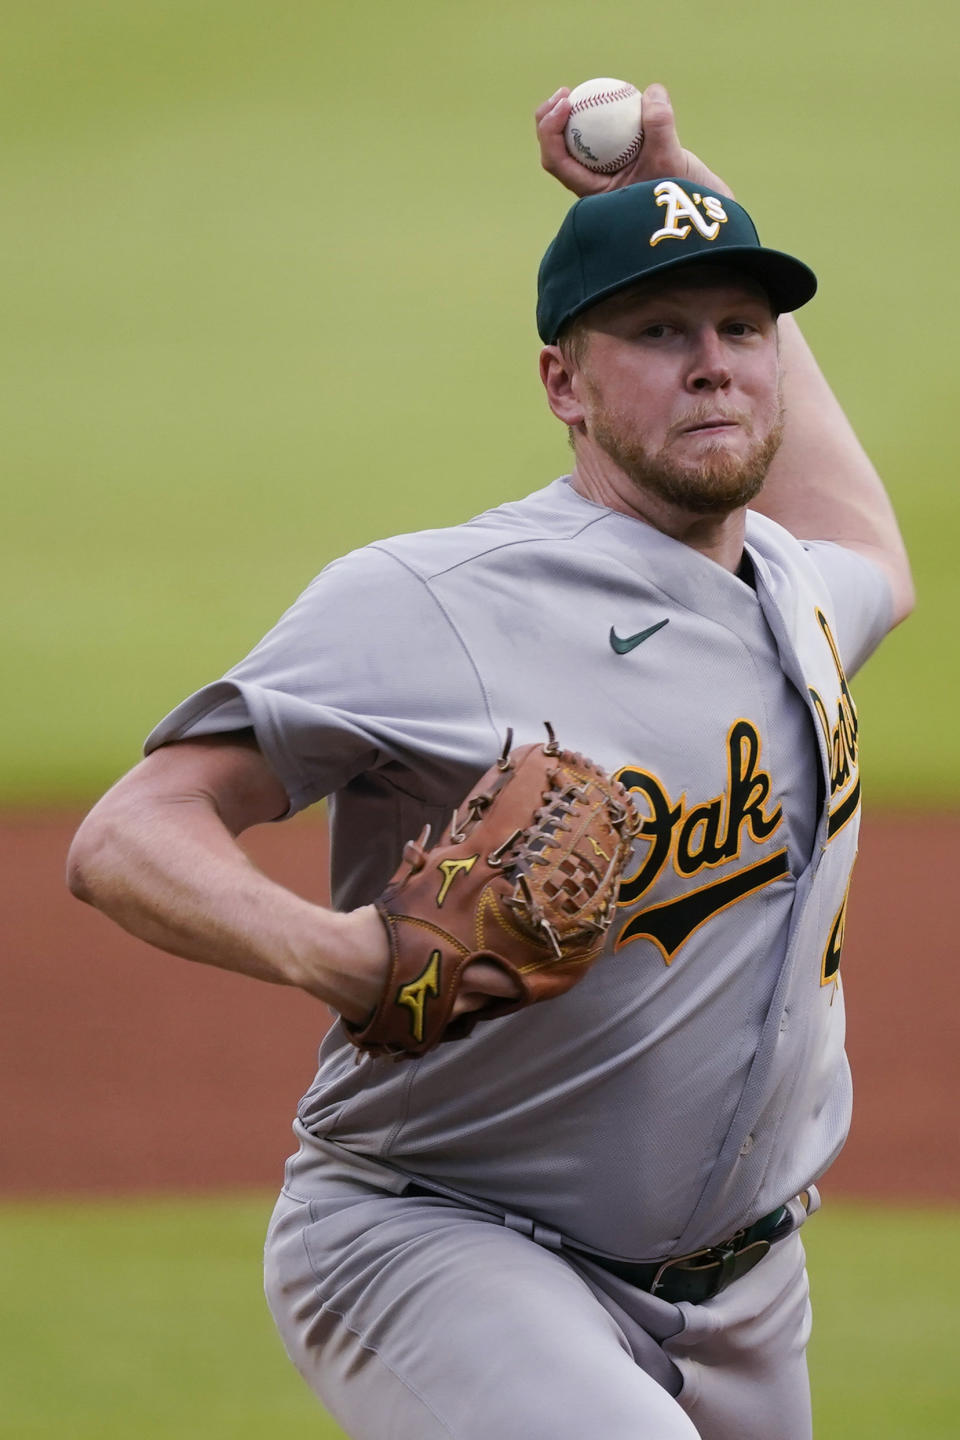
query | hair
(573,339)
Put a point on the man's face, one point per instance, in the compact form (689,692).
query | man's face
(680,387)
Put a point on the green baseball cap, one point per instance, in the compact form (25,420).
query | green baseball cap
(610,241)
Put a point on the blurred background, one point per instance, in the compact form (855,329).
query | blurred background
(267,288)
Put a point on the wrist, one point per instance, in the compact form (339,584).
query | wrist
(344,961)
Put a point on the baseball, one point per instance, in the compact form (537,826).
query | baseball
(604,129)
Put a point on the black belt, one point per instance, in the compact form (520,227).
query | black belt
(695,1277)
(704,1273)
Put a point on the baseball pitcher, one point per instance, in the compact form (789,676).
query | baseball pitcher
(589,1062)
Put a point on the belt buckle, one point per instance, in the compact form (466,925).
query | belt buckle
(721,1256)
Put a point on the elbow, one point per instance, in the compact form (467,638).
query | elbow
(892,560)
(78,868)
(904,593)
(85,859)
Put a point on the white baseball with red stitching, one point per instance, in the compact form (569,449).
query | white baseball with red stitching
(604,131)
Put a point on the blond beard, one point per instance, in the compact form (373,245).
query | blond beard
(717,484)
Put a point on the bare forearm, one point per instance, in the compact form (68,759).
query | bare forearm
(822,484)
(171,873)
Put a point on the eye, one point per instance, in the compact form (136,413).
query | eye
(656,331)
(739,327)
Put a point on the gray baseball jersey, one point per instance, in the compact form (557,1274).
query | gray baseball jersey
(696,1078)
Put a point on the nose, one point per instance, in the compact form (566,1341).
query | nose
(709,365)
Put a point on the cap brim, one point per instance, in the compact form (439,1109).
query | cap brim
(787,281)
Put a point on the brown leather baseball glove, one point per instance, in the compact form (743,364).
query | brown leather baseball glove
(524,877)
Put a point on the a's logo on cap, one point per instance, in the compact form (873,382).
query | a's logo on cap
(681,207)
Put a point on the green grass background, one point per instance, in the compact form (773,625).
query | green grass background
(267,286)
(147,1320)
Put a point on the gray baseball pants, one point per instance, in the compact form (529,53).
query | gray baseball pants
(415,1319)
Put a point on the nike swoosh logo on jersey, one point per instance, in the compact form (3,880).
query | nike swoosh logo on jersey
(623,647)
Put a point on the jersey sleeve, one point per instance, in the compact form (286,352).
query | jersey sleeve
(364,672)
(862,599)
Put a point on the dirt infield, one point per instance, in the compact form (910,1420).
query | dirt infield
(126,1070)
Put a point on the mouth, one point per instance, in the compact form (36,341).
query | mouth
(713,425)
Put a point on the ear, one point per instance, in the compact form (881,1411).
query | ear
(562,384)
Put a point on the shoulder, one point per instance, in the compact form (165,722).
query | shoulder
(552,514)
(813,562)
(852,591)
(779,547)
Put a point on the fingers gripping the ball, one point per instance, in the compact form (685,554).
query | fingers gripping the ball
(592,138)
(521,888)
(660,153)
(663,153)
